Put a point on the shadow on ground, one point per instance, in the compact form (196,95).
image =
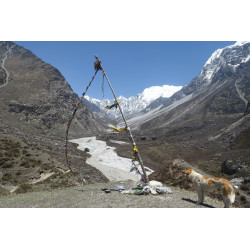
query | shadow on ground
(194,202)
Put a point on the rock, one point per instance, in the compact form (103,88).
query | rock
(86,150)
(1,175)
(227,167)
(241,168)
(247,180)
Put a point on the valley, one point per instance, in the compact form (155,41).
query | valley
(203,125)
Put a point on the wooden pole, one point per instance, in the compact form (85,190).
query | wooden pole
(124,119)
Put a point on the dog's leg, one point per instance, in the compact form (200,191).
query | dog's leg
(200,194)
(226,202)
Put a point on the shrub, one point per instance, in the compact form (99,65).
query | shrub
(243,199)
(3,161)
(244,187)
(7,165)
(46,167)
(24,188)
(24,163)
(18,173)
(54,185)
(7,154)
(3,191)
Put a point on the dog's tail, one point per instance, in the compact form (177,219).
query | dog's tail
(231,195)
(227,188)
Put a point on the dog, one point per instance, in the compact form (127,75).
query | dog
(204,183)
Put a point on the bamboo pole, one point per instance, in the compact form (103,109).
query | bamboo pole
(124,119)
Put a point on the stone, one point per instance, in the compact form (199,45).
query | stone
(247,180)
(227,167)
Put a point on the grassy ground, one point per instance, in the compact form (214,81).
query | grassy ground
(91,196)
(22,161)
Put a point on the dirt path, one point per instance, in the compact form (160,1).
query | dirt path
(91,196)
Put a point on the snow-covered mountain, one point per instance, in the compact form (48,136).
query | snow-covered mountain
(218,95)
(133,104)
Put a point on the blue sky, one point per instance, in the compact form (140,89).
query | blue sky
(130,66)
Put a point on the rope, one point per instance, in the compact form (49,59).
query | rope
(98,66)
(70,118)
(103,84)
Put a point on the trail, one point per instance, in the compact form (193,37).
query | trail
(103,158)
(6,56)
(241,95)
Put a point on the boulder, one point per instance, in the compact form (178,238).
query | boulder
(227,167)
(247,180)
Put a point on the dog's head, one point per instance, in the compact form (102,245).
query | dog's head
(189,171)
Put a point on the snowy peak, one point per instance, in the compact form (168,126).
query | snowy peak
(155,92)
(223,79)
(232,55)
(214,56)
(137,103)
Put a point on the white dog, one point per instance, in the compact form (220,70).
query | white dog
(204,183)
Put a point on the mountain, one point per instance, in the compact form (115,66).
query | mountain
(133,104)
(34,96)
(216,98)
(35,102)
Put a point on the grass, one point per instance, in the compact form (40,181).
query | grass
(20,163)
(24,188)
(3,191)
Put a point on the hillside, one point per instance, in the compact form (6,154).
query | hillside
(205,126)
(35,97)
(35,102)
(216,98)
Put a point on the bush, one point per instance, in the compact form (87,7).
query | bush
(244,187)
(23,188)
(7,165)
(7,177)
(3,191)
(54,185)
(25,151)
(46,167)
(24,163)
(3,160)
(243,199)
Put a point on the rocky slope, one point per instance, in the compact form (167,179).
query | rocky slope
(211,101)
(35,96)
(35,101)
